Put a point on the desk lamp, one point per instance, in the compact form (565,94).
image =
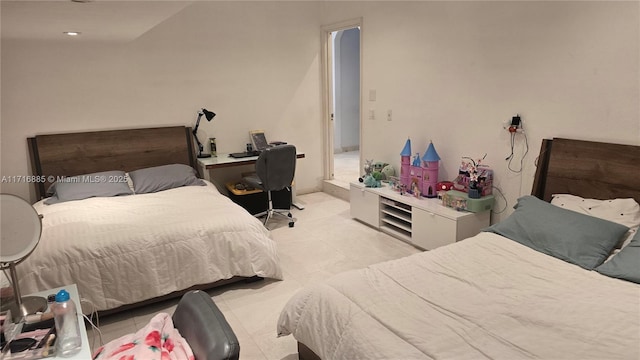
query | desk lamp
(21,229)
(209,115)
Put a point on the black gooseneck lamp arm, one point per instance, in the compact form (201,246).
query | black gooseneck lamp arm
(195,131)
(209,116)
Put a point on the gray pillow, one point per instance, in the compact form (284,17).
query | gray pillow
(625,264)
(100,184)
(163,177)
(573,237)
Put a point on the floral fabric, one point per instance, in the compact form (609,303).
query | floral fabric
(158,340)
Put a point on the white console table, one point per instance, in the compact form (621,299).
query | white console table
(424,223)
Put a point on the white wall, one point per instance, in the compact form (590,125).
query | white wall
(255,64)
(453,72)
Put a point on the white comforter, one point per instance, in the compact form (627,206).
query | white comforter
(125,249)
(484,297)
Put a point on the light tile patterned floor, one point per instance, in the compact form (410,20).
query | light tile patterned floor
(324,242)
(346,167)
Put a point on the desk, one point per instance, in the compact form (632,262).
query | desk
(225,161)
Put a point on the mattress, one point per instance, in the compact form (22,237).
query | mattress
(125,249)
(486,297)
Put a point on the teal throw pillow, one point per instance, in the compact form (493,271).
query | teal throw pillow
(567,235)
(625,264)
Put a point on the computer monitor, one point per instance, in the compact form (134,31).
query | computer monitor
(258,140)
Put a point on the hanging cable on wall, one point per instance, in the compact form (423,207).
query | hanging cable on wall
(515,128)
(506,203)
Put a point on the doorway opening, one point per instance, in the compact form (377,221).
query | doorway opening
(343,102)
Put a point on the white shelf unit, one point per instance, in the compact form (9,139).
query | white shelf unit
(423,222)
(395,218)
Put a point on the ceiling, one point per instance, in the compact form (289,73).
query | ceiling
(96,20)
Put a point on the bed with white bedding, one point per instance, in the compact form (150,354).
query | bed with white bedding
(125,249)
(158,234)
(484,297)
(535,286)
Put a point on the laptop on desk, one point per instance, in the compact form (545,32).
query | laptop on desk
(259,142)
(244,154)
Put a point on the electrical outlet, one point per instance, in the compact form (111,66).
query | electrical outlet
(514,125)
(515,121)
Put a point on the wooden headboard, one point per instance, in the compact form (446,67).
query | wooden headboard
(588,169)
(56,155)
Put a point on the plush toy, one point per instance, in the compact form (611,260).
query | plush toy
(378,170)
(378,166)
(370,181)
(388,171)
(368,168)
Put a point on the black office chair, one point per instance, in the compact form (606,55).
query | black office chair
(275,169)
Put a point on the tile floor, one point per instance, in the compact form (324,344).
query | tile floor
(346,167)
(324,241)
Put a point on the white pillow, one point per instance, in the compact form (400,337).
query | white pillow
(621,211)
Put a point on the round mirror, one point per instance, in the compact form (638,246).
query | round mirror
(20,229)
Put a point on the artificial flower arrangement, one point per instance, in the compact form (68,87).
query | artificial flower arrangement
(471,170)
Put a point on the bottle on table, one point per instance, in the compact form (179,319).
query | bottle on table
(214,148)
(68,341)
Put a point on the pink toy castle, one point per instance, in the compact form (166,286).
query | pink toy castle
(420,175)
(430,166)
(405,165)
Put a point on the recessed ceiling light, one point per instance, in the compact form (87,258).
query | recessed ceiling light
(71,33)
